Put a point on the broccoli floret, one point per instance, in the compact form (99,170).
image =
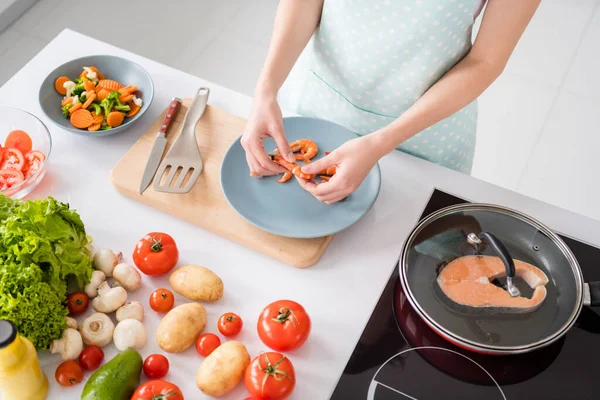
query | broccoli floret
(65,110)
(78,90)
(114,95)
(107,105)
(82,98)
(78,81)
(97,108)
(105,128)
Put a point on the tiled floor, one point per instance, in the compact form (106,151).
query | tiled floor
(538,127)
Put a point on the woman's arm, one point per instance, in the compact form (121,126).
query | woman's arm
(295,22)
(502,26)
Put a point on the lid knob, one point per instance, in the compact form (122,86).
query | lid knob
(8,333)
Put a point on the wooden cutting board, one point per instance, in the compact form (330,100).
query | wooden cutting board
(205,205)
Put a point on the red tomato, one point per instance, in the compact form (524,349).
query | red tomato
(157,390)
(283,325)
(207,343)
(3,183)
(77,303)
(91,357)
(270,376)
(162,300)
(12,177)
(68,373)
(12,159)
(156,366)
(156,254)
(230,324)
(33,162)
(19,140)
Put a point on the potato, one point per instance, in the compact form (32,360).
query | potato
(223,369)
(197,283)
(181,326)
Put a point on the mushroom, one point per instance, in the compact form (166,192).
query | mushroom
(128,277)
(105,260)
(109,299)
(97,329)
(91,289)
(69,345)
(129,334)
(71,322)
(131,310)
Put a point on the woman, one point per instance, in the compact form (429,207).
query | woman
(402,74)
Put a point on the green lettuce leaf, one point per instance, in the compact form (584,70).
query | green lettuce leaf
(42,252)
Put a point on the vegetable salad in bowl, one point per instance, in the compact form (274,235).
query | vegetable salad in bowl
(94,102)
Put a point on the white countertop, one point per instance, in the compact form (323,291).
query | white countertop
(339,292)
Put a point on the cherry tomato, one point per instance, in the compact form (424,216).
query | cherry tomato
(156,254)
(33,162)
(91,357)
(207,343)
(157,390)
(12,159)
(77,303)
(270,376)
(69,373)
(156,366)
(283,325)
(19,140)
(162,300)
(12,177)
(230,324)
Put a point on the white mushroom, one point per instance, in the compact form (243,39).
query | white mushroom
(69,345)
(131,310)
(91,289)
(129,334)
(128,277)
(105,260)
(97,329)
(109,299)
(71,323)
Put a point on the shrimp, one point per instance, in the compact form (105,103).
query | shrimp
(306,147)
(292,167)
(286,177)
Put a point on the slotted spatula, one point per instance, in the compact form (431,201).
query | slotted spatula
(183,159)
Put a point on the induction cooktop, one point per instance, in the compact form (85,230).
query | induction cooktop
(399,357)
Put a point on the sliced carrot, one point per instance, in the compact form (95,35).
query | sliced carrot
(100,75)
(89,100)
(88,85)
(94,127)
(81,119)
(102,94)
(109,85)
(115,118)
(66,101)
(126,99)
(128,90)
(75,108)
(58,84)
(134,109)
(97,118)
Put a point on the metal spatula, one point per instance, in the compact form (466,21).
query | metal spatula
(183,163)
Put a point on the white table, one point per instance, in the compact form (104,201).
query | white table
(339,292)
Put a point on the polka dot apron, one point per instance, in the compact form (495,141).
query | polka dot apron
(370,60)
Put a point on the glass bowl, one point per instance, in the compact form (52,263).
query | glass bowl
(14,119)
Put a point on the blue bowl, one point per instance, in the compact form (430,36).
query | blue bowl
(286,209)
(116,68)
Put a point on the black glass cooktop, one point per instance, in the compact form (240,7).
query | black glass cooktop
(399,357)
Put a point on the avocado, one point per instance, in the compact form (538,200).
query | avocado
(115,380)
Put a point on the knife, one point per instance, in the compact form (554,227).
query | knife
(159,145)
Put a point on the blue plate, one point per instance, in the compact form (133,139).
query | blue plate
(116,68)
(286,209)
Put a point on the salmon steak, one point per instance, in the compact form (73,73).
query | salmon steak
(468,281)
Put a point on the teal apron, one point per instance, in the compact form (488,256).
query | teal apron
(369,61)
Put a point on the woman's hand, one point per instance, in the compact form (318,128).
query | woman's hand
(265,121)
(353,160)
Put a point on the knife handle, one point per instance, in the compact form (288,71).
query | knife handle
(170,116)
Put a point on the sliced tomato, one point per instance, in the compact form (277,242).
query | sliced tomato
(19,140)
(3,183)
(12,158)
(33,162)
(12,177)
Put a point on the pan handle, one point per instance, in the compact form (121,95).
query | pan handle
(591,294)
(502,252)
